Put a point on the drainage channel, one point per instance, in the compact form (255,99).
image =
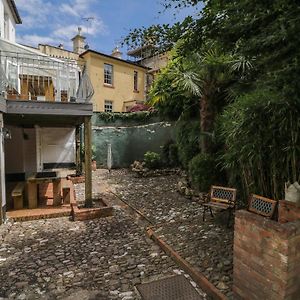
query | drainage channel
(148,225)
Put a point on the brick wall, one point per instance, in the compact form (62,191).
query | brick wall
(266,258)
(45,190)
(288,212)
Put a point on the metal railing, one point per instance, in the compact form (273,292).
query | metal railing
(30,76)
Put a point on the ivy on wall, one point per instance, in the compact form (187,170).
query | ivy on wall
(111,117)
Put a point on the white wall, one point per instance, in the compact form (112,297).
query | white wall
(11,24)
(29,148)
(2,19)
(2,164)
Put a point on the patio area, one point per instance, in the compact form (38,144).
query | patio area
(206,246)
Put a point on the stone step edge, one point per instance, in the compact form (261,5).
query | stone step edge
(41,216)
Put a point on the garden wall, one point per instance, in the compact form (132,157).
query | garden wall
(129,139)
(266,258)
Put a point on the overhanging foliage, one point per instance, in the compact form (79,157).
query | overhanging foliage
(261,134)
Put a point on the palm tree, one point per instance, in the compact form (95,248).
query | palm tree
(206,75)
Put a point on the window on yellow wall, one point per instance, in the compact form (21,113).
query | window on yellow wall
(108,74)
(108,106)
(135,80)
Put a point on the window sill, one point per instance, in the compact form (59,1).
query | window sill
(135,91)
(108,86)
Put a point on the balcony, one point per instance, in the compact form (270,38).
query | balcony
(27,75)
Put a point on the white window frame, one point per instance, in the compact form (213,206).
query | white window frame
(136,81)
(6,34)
(11,75)
(108,74)
(108,105)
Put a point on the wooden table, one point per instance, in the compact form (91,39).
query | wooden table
(33,183)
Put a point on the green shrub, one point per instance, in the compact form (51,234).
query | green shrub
(152,160)
(173,155)
(202,171)
(170,154)
(187,140)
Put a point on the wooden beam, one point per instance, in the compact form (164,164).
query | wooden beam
(2,172)
(27,107)
(78,152)
(88,160)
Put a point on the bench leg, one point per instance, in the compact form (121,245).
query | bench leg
(204,211)
(211,213)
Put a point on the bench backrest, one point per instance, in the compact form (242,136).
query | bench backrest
(262,205)
(223,194)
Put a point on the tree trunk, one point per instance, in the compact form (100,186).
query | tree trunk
(206,124)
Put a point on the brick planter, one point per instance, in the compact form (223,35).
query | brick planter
(266,258)
(76,179)
(82,214)
(288,212)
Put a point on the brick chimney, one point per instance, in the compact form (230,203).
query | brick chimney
(78,42)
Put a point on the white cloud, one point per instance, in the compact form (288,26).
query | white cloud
(77,8)
(34,12)
(34,40)
(55,22)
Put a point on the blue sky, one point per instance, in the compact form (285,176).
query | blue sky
(56,21)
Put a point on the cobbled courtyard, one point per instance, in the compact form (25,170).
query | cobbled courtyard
(96,259)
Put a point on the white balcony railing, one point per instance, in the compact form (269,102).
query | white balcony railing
(28,75)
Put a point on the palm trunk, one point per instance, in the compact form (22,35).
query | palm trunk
(206,124)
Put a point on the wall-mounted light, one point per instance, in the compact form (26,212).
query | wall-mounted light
(6,133)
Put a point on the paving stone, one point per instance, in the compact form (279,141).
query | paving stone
(207,246)
(102,255)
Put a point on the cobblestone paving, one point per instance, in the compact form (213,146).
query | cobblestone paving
(97,259)
(156,197)
(207,246)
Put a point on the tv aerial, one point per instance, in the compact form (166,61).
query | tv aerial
(89,22)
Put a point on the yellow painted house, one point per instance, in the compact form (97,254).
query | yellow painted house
(118,84)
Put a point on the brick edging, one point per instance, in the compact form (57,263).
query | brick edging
(199,278)
(83,214)
(133,208)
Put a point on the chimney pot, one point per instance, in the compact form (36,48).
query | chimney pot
(117,53)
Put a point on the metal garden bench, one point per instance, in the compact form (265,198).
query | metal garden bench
(221,198)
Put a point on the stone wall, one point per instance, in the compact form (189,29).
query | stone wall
(266,258)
